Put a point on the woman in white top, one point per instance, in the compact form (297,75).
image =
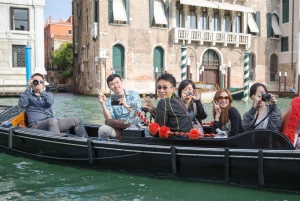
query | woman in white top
(264,113)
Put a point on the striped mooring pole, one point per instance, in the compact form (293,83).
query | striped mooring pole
(246,75)
(183,62)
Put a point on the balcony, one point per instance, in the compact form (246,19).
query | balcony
(213,37)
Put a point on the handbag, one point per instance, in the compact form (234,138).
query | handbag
(117,123)
(198,126)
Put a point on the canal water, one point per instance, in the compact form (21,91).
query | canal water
(25,179)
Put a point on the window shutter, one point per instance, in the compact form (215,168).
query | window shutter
(167,12)
(257,20)
(127,10)
(28,17)
(118,60)
(110,11)
(158,60)
(151,4)
(285,11)
(11,18)
(96,11)
(269,28)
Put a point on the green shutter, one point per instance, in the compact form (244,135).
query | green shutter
(285,11)
(110,11)
(96,14)
(257,20)
(151,12)
(118,60)
(269,26)
(167,12)
(158,60)
(127,10)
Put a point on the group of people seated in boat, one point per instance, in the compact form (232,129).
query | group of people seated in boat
(180,113)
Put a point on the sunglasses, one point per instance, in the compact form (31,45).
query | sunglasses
(163,87)
(223,97)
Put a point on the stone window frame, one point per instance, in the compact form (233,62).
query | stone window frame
(12,20)
(18,56)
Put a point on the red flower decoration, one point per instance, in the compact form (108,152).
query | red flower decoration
(194,134)
(211,124)
(154,128)
(293,122)
(164,132)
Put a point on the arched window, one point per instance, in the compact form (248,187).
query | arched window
(273,67)
(210,58)
(158,60)
(118,60)
(179,15)
(252,63)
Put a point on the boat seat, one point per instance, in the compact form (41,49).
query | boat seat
(20,120)
(45,133)
(37,131)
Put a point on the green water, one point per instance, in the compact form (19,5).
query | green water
(89,109)
(25,179)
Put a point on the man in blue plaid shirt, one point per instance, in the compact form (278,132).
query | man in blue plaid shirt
(120,111)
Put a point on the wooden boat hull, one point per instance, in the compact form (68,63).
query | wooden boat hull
(264,159)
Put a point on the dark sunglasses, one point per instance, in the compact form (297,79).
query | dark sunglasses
(164,87)
(223,97)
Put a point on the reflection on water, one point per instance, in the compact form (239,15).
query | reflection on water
(25,179)
(89,109)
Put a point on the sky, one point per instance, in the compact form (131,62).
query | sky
(58,9)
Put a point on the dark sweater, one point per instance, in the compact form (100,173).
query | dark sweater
(169,113)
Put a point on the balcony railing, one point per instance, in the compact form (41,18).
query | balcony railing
(12,87)
(201,36)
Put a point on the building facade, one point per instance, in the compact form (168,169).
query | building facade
(137,38)
(56,33)
(21,24)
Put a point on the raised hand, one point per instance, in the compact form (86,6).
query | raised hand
(148,104)
(195,95)
(101,96)
(30,83)
(273,99)
(122,101)
(217,108)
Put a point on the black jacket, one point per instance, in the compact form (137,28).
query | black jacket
(235,120)
(200,112)
(169,113)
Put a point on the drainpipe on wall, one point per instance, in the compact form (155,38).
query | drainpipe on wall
(292,61)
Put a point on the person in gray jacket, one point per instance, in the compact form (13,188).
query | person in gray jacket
(262,115)
(37,104)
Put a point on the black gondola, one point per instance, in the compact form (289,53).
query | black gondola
(263,158)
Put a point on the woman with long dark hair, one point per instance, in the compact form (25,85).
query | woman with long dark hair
(264,113)
(226,117)
(190,96)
